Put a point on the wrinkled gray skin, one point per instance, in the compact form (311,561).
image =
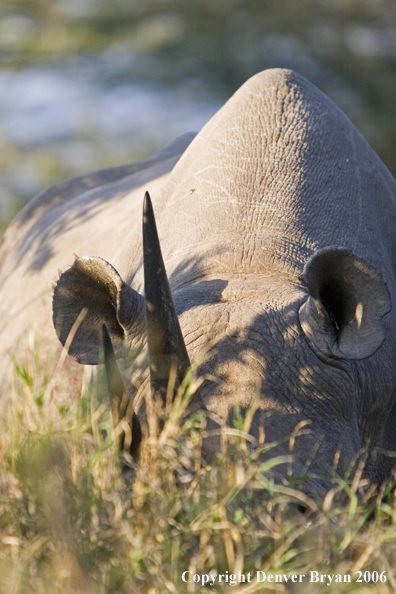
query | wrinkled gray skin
(75,217)
(277,232)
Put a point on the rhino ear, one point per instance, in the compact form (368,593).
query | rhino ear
(342,317)
(89,294)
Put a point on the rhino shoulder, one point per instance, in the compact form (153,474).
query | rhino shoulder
(67,190)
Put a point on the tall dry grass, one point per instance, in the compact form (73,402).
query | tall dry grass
(79,516)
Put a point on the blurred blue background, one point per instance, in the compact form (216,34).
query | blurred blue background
(86,84)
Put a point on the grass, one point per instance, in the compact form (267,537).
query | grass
(78,516)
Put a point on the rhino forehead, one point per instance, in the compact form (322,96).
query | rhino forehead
(246,322)
(258,355)
(259,352)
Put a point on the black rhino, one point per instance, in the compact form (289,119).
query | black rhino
(276,225)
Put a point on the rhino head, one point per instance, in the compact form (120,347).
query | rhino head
(276,243)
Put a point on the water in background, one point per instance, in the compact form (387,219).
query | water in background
(78,123)
(91,84)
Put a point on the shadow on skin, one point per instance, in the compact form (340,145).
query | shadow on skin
(66,209)
(256,366)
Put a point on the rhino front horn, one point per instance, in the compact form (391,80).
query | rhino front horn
(164,337)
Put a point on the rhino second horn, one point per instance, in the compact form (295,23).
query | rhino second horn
(164,337)
(120,405)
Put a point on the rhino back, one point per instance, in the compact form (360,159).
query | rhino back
(278,173)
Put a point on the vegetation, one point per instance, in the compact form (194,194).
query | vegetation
(76,515)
